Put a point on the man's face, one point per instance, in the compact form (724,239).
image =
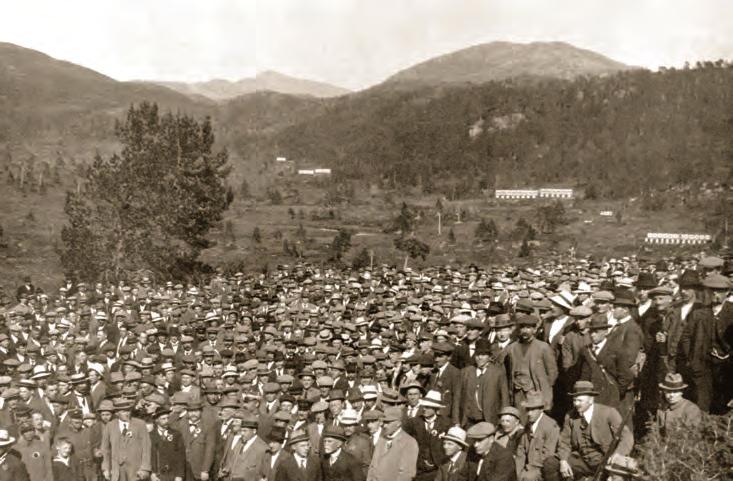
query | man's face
(162,421)
(302,448)
(673,397)
(526,333)
(450,447)
(335,406)
(331,445)
(413,396)
(482,360)
(483,446)
(503,334)
(391,427)
(602,305)
(598,335)
(374,426)
(508,423)
(582,403)
(248,433)
(534,414)
(124,414)
(662,302)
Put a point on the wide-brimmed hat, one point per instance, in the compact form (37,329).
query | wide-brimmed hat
(673,382)
(583,388)
(297,437)
(563,299)
(646,280)
(122,404)
(335,432)
(433,399)
(503,320)
(393,413)
(349,417)
(5,438)
(598,321)
(455,434)
(411,385)
(624,297)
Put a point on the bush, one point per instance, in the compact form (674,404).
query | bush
(684,454)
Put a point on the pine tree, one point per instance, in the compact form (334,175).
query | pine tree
(451,237)
(361,260)
(524,250)
(340,244)
(152,204)
(256,235)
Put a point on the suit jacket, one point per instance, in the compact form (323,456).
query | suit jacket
(269,470)
(130,452)
(481,399)
(541,363)
(603,424)
(199,445)
(288,469)
(459,471)
(430,454)
(461,357)
(315,438)
(98,393)
(247,463)
(346,468)
(360,447)
(396,462)
(535,448)
(448,383)
(498,465)
(13,469)
(610,372)
(168,454)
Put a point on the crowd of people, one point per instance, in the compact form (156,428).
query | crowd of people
(310,373)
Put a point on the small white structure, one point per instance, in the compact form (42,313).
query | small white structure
(322,171)
(281,159)
(670,238)
(306,172)
(606,213)
(556,193)
(516,194)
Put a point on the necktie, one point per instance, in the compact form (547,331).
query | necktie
(302,464)
(124,429)
(450,467)
(389,444)
(583,422)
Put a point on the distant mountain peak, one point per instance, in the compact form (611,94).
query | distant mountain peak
(220,89)
(502,60)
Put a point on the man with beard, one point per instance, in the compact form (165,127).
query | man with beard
(531,364)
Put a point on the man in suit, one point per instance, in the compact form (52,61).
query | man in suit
(456,466)
(199,440)
(167,450)
(484,387)
(11,467)
(446,379)
(531,364)
(468,331)
(395,456)
(357,443)
(302,465)
(275,453)
(125,446)
(245,451)
(605,364)
(427,431)
(337,464)
(539,441)
(586,437)
(495,462)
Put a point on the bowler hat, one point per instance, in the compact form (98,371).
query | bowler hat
(673,382)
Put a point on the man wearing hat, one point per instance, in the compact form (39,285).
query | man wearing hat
(168,460)
(395,455)
(357,443)
(586,436)
(275,454)
(446,379)
(302,464)
(532,365)
(338,464)
(125,446)
(676,410)
(245,450)
(484,387)
(84,441)
(427,430)
(706,348)
(199,440)
(495,462)
(607,365)
(11,466)
(539,440)
(456,466)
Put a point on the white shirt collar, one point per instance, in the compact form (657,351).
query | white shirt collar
(537,423)
(599,346)
(588,414)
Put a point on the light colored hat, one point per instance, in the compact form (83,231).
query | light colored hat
(563,299)
(433,399)
(457,435)
(349,417)
(369,392)
(5,438)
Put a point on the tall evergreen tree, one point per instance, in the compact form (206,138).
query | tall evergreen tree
(152,204)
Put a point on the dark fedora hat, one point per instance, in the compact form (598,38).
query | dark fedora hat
(672,382)
(624,297)
(690,279)
(646,280)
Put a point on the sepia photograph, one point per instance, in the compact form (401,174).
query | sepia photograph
(350,240)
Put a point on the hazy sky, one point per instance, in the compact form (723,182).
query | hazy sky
(351,43)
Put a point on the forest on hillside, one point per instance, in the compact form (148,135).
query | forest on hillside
(614,136)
